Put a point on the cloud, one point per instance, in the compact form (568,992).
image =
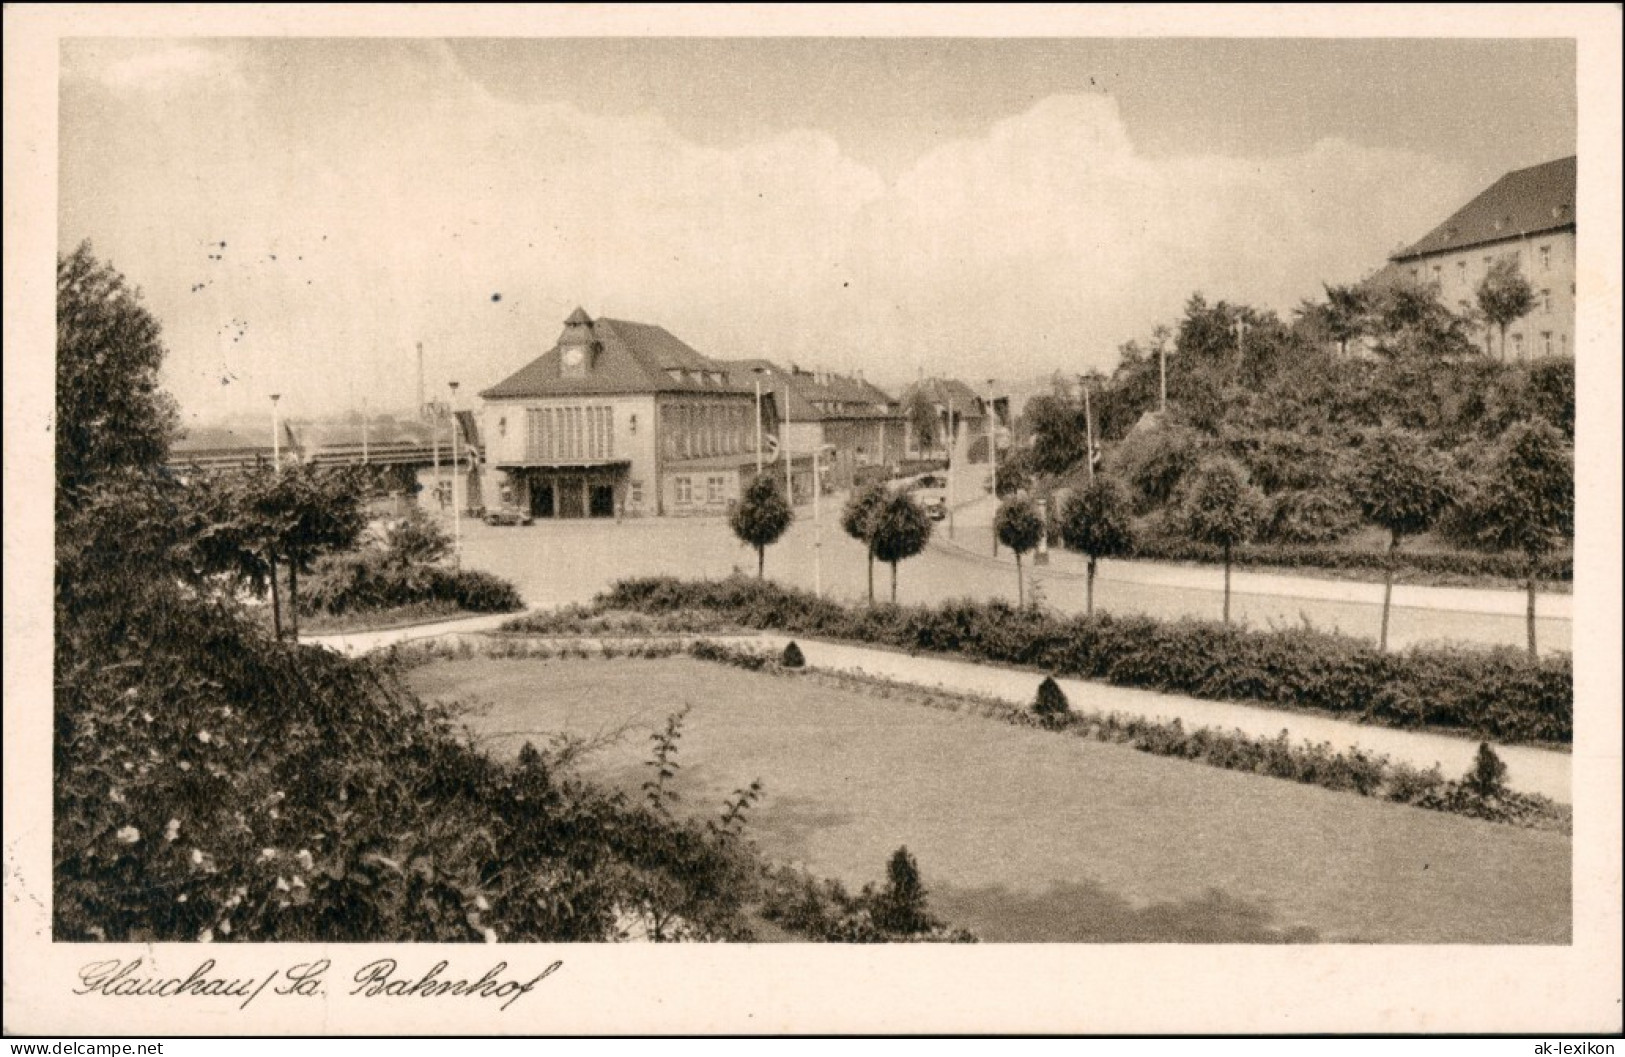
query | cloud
(394,214)
(141,67)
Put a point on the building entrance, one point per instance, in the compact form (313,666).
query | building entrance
(541,499)
(601,501)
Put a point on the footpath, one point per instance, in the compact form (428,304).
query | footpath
(1529,770)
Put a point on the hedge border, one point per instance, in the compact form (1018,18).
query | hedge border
(1499,695)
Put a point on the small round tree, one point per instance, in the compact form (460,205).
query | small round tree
(1403,487)
(1504,296)
(1095,522)
(858,521)
(1526,501)
(1222,509)
(901,530)
(760,517)
(1018,526)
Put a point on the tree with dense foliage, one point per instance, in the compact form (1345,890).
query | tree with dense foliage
(901,530)
(1018,526)
(1345,315)
(858,519)
(113,426)
(1504,296)
(1402,486)
(1095,522)
(1222,508)
(760,517)
(1055,422)
(923,417)
(1525,501)
(1014,474)
(265,522)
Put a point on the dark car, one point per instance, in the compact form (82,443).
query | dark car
(507,516)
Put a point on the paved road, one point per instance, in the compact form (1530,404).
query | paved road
(571,561)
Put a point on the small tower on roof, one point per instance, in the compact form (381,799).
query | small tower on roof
(578,345)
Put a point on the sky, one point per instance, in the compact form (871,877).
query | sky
(300,213)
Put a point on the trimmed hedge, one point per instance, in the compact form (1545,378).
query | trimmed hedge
(1500,694)
(364,582)
(1558,568)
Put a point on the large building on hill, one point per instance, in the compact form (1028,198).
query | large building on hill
(622,418)
(1527,215)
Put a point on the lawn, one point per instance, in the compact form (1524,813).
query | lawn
(1023,836)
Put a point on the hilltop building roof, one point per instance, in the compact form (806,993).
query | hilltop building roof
(1521,203)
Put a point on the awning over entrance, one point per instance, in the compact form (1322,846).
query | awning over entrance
(567,467)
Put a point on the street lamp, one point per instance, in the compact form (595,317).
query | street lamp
(784,447)
(456,467)
(758,372)
(276,434)
(1088,427)
(993,450)
(953,437)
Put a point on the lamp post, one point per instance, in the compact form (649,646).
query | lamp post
(818,533)
(276,434)
(993,452)
(1088,427)
(1162,378)
(952,437)
(758,372)
(456,466)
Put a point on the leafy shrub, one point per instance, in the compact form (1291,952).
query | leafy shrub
(823,910)
(792,658)
(416,539)
(1311,515)
(1501,694)
(214,784)
(367,581)
(1051,699)
(1487,779)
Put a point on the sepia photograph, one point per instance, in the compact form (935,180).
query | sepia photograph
(552,489)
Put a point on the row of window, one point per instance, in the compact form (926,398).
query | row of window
(560,434)
(694,431)
(1543,255)
(678,374)
(716,488)
(1550,345)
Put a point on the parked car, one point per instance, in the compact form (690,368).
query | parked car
(507,516)
(938,510)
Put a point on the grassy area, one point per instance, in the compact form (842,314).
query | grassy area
(1023,836)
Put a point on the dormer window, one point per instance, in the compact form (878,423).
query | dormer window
(674,373)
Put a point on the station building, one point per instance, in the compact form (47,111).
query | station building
(621,418)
